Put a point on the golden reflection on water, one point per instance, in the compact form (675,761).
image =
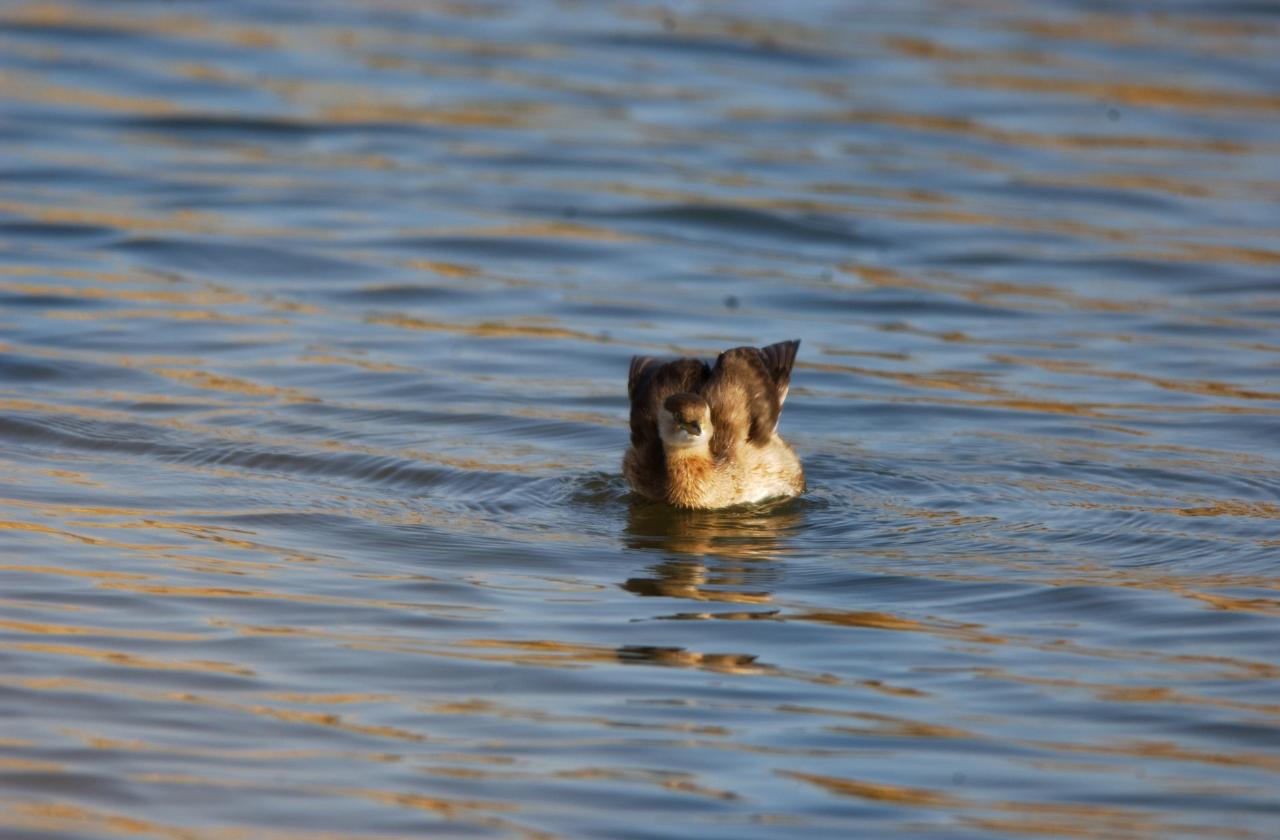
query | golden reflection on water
(486,329)
(1144,95)
(1037,818)
(58,817)
(757,533)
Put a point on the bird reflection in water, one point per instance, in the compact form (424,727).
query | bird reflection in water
(718,555)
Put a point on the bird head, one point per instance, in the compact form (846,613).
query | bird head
(685,421)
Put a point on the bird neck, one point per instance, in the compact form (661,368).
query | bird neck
(689,473)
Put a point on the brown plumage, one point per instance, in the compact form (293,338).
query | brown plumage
(706,437)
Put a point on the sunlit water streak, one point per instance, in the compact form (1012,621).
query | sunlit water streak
(314,321)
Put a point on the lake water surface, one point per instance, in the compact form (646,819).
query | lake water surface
(315,320)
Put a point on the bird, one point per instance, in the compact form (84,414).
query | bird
(705,436)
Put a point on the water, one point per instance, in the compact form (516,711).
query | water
(315,323)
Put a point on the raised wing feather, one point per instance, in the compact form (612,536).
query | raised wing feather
(778,360)
(746,390)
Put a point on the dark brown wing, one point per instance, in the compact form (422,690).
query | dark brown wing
(746,390)
(649,383)
(778,360)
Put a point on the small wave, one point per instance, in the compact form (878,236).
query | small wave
(256,128)
(764,49)
(239,260)
(502,248)
(812,227)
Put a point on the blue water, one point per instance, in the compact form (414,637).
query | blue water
(314,327)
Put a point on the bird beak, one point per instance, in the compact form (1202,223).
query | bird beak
(692,427)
